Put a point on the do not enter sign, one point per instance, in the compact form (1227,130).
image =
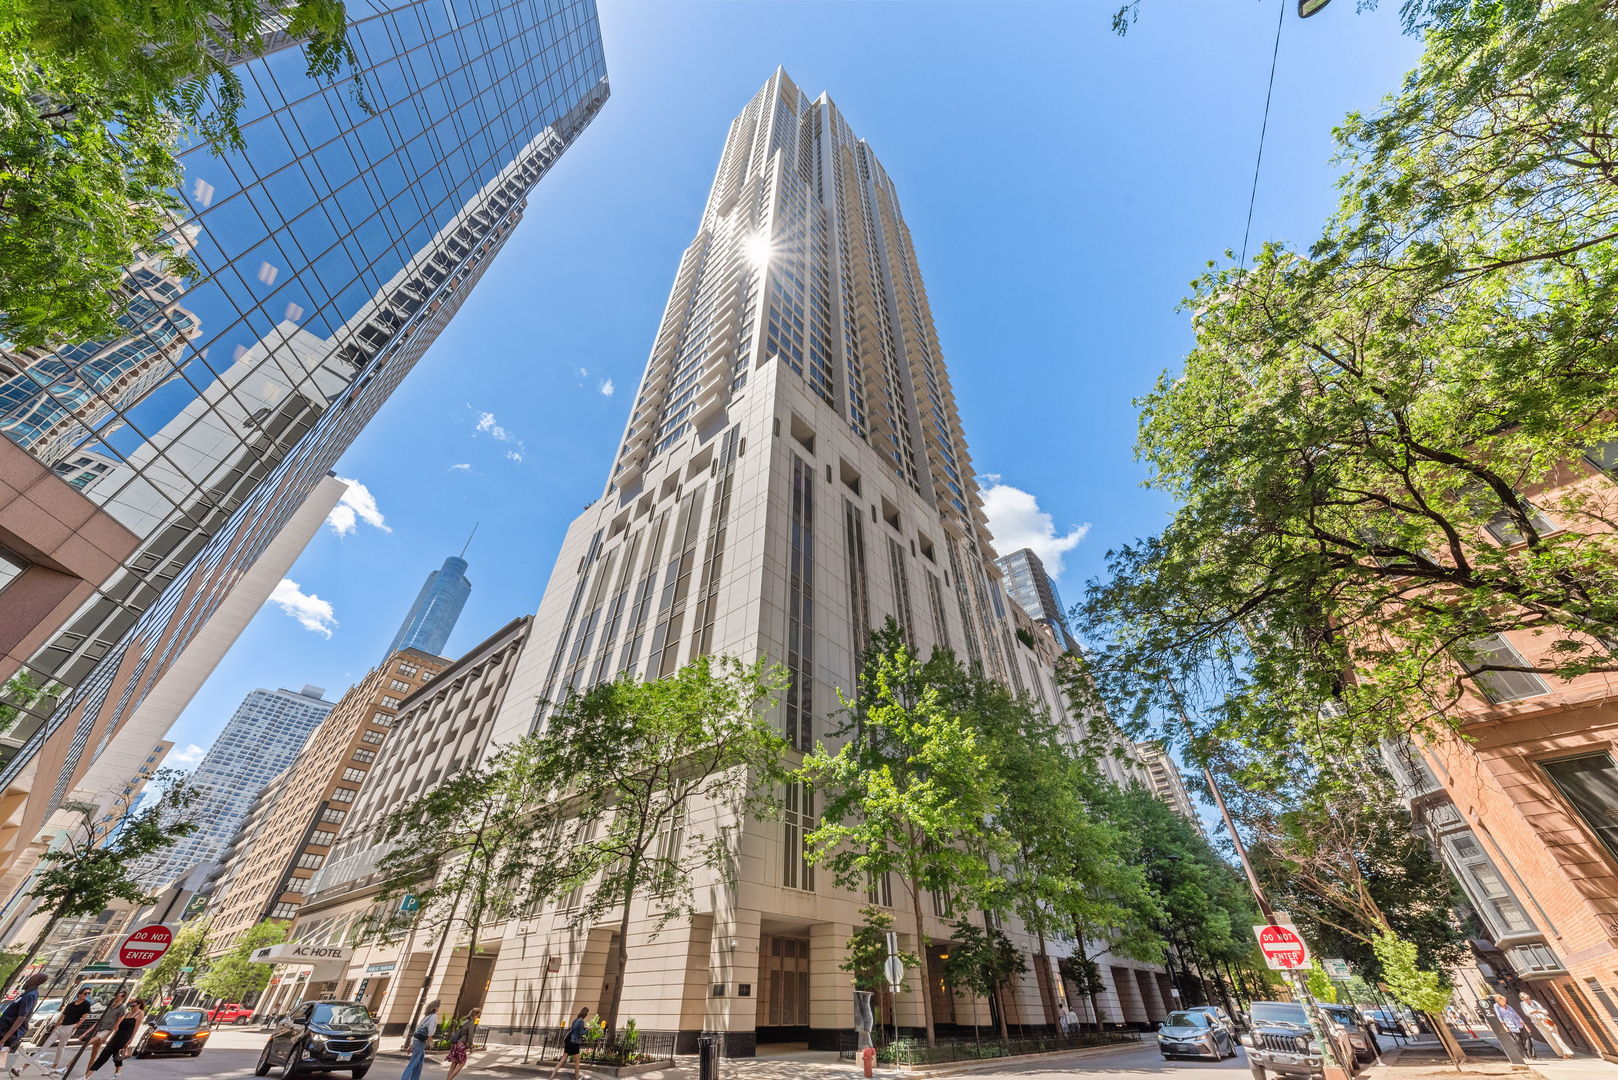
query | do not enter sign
(143,946)
(1283,949)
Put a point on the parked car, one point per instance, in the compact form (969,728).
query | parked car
(321,1036)
(1353,1026)
(1219,1017)
(1193,1033)
(178,1031)
(230,1014)
(1387,1022)
(1282,1042)
(44,1019)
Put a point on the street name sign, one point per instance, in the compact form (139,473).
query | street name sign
(143,946)
(1283,949)
(1337,969)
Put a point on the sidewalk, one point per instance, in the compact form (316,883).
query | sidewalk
(1424,1060)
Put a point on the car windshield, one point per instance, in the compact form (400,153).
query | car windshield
(48,1006)
(183,1018)
(1187,1019)
(340,1014)
(1279,1012)
(1344,1017)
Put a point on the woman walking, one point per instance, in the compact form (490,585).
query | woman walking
(1541,1018)
(420,1039)
(460,1042)
(572,1044)
(106,1024)
(122,1036)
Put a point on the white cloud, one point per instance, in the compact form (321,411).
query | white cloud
(356,505)
(487,424)
(1017,522)
(607,388)
(513,455)
(311,611)
(581,373)
(189,756)
(462,467)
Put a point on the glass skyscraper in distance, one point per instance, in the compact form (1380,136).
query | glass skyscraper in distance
(432,617)
(1030,585)
(262,738)
(331,251)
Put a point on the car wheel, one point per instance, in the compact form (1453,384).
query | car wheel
(263,1066)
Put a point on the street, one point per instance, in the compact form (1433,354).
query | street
(235,1051)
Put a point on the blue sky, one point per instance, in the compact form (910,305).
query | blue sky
(1063,186)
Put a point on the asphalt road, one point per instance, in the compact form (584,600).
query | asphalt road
(233,1052)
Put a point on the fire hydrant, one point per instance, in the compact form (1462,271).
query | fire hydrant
(868,1057)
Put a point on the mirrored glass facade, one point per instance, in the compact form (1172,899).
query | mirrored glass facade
(432,617)
(331,251)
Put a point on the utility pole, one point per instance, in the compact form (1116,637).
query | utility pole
(1319,1026)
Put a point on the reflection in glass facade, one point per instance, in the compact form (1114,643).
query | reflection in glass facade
(1029,585)
(331,252)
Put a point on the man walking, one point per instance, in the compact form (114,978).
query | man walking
(419,1041)
(14,1022)
(69,1019)
(1515,1026)
(1542,1019)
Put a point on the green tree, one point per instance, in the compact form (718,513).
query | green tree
(909,790)
(1410,984)
(1352,438)
(1321,988)
(95,100)
(634,763)
(91,864)
(982,961)
(465,853)
(868,953)
(189,950)
(234,977)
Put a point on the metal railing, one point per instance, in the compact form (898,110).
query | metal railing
(907,1051)
(645,1048)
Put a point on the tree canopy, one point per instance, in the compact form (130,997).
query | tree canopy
(96,99)
(234,976)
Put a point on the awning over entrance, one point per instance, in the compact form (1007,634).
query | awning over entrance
(325,961)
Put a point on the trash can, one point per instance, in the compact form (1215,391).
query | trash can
(708,1056)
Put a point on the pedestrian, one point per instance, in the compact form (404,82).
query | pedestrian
(460,1042)
(1061,1020)
(106,1024)
(1542,1019)
(14,1021)
(1514,1024)
(73,1013)
(572,1043)
(420,1039)
(1072,1019)
(122,1035)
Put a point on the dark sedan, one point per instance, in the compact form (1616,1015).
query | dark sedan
(321,1037)
(1194,1034)
(178,1031)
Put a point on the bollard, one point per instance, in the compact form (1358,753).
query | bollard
(868,1056)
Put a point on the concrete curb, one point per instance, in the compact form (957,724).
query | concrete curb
(985,1064)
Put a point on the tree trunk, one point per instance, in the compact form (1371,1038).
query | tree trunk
(1091,991)
(620,953)
(1446,1039)
(996,1002)
(27,957)
(922,959)
(1049,1001)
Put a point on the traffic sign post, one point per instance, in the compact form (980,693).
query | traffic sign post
(143,946)
(1283,949)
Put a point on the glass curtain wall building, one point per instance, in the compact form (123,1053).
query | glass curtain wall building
(1029,585)
(437,606)
(331,252)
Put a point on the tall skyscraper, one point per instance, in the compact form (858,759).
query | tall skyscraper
(1029,585)
(793,474)
(262,738)
(332,249)
(437,606)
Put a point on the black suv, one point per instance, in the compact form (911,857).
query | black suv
(321,1037)
(1279,1041)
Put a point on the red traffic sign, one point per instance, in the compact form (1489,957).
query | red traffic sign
(1283,949)
(143,946)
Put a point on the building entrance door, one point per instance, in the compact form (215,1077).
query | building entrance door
(783,990)
(943,1001)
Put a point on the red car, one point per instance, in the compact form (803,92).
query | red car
(230,1014)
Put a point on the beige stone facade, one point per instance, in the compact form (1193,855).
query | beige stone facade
(292,828)
(793,473)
